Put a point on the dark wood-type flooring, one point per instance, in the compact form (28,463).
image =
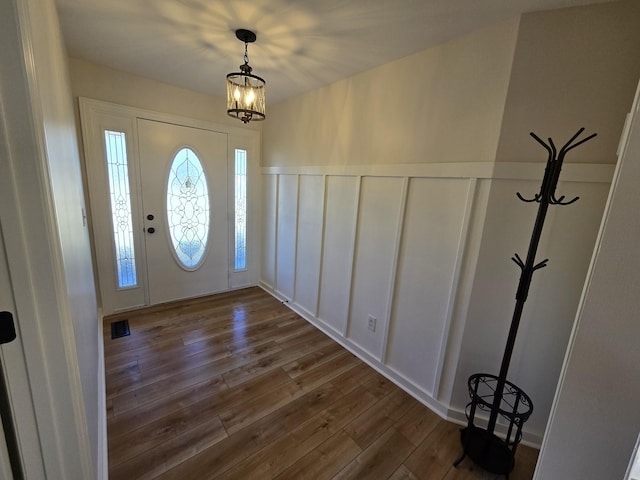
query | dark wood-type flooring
(237,386)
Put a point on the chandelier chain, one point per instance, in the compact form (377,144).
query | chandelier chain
(246,54)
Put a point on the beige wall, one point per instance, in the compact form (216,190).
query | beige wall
(48,254)
(594,424)
(440,105)
(575,67)
(102,83)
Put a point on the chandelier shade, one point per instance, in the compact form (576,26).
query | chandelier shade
(246,99)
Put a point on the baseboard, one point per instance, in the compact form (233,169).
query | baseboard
(102,468)
(458,416)
(424,397)
(414,390)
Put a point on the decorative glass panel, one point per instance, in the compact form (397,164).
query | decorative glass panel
(119,194)
(188,208)
(241,210)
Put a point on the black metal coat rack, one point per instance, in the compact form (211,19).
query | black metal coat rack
(495,394)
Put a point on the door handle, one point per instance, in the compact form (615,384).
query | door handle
(7,328)
(150,217)
(151,230)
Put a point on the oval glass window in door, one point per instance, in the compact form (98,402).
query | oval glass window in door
(188,209)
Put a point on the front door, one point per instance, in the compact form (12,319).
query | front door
(174,205)
(183,179)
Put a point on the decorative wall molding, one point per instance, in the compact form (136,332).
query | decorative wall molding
(422,346)
(571,172)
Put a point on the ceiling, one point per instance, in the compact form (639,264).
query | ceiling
(301,45)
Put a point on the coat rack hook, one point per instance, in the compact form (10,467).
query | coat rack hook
(542,264)
(581,142)
(518,261)
(577,134)
(536,198)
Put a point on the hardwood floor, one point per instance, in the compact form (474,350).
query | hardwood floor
(237,386)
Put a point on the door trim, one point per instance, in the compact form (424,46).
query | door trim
(92,115)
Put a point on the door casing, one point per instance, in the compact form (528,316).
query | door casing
(96,116)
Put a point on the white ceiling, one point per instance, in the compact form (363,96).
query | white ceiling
(301,45)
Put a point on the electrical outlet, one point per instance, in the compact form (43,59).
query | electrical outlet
(372,323)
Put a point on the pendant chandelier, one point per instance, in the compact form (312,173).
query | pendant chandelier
(245,91)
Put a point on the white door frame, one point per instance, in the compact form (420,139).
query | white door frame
(95,115)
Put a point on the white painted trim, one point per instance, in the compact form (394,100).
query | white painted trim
(571,172)
(91,114)
(394,270)
(100,106)
(50,349)
(276,217)
(453,292)
(458,416)
(480,178)
(295,241)
(454,170)
(103,447)
(356,218)
(322,233)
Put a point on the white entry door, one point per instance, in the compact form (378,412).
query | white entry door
(183,179)
(174,205)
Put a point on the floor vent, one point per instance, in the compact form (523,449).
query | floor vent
(120,329)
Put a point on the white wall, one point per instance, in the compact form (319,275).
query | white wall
(419,211)
(47,244)
(567,241)
(595,421)
(440,105)
(99,82)
(426,252)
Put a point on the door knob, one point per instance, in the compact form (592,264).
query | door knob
(7,327)
(150,217)
(151,230)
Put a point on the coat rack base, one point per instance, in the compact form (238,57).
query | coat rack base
(484,447)
(487,450)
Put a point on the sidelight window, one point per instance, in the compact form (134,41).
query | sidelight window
(120,200)
(240,245)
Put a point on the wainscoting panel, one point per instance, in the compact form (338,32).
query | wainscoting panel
(433,225)
(269,221)
(548,316)
(380,203)
(287,230)
(310,221)
(425,249)
(337,258)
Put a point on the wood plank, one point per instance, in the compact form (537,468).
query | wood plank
(417,423)
(240,415)
(170,452)
(148,389)
(212,462)
(402,473)
(125,422)
(328,371)
(324,462)
(272,460)
(380,459)
(434,457)
(368,427)
(294,403)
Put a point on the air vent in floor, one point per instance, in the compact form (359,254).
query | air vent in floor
(120,329)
